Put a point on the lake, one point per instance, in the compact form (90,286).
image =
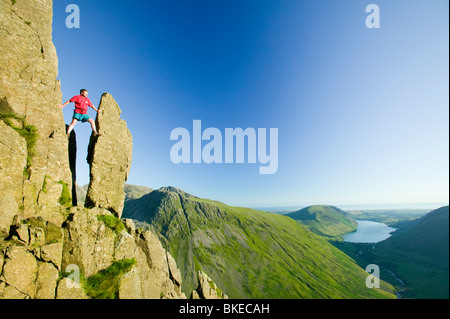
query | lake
(369,232)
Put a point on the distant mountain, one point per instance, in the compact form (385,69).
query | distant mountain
(324,220)
(131,192)
(134,192)
(420,255)
(81,193)
(248,253)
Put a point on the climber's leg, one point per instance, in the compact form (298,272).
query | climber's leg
(71,126)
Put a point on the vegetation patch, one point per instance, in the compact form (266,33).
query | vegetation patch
(105,283)
(44,185)
(28,132)
(66,198)
(112,222)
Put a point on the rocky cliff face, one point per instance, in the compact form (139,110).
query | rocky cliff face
(110,152)
(29,94)
(44,261)
(49,247)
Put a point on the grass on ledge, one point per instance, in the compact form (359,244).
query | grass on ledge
(105,283)
(112,222)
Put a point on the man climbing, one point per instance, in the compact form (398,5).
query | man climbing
(80,114)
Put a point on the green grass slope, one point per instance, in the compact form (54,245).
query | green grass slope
(428,239)
(249,253)
(420,255)
(324,220)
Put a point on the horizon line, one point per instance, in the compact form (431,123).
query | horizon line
(378,206)
(368,206)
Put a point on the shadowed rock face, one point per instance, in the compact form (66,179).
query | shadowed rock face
(73,164)
(109,157)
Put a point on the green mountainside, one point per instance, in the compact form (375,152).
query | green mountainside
(324,220)
(421,255)
(428,238)
(249,253)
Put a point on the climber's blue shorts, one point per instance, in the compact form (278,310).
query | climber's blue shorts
(81,117)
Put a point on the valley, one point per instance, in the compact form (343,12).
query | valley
(415,259)
(249,253)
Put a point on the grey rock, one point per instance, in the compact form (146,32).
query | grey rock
(20,270)
(90,243)
(46,281)
(129,225)
(13,158)
(109,157)
(207,289)
(68,289)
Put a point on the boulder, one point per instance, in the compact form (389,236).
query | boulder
(109,158)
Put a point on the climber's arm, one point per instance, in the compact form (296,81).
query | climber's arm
(92,105)
(62,105)
(96,110)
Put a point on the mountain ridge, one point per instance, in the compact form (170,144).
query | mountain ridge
(248,253)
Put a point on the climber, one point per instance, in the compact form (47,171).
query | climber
(80,114)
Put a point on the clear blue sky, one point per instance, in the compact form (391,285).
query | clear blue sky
(363,114)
